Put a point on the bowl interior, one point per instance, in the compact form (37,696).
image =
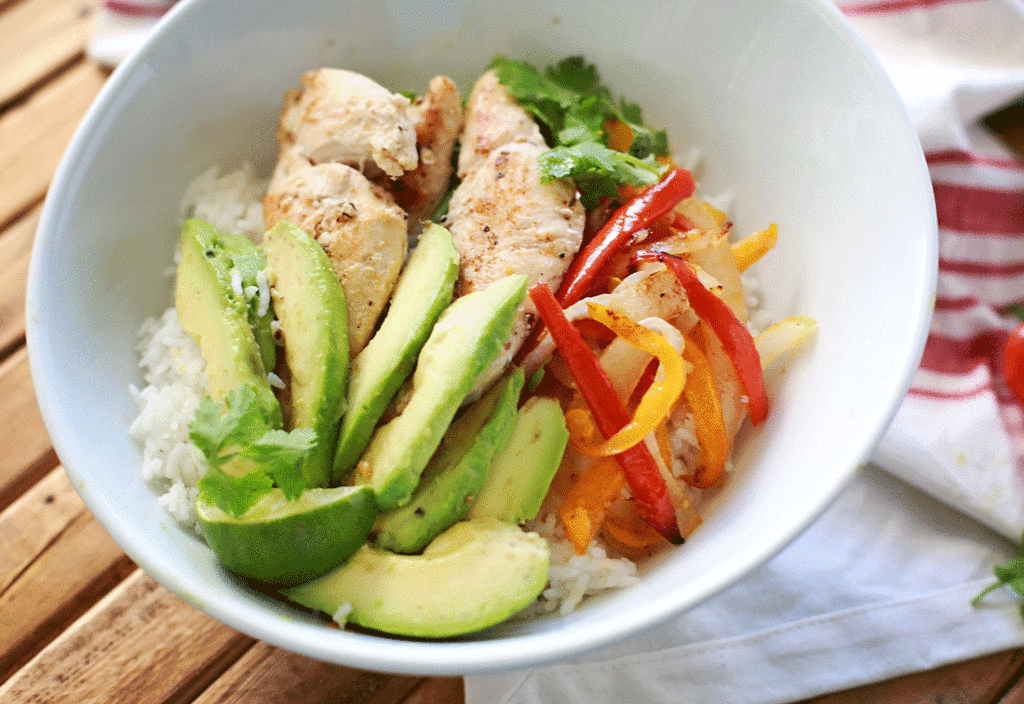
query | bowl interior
(790,114)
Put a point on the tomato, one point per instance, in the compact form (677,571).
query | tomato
(1013,363)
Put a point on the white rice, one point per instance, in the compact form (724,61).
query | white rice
(175,384)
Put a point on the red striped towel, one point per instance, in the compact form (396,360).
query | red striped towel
(959,434)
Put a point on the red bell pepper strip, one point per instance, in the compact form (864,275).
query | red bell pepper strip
(635,215)
(610,413)
(735,338)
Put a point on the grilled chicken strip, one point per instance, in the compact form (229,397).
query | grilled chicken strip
(344,117)
(437,118)
(504,221)
(358,224)
(493,119)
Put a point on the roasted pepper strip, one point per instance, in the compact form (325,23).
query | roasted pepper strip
(657,402)
(752,247)
(735,338)
(584,508)
(703,397)
(634,215)
(610,412)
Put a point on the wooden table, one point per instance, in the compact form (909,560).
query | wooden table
(79,622)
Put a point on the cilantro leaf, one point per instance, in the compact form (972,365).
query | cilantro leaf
(234,494)
(1009,573)
(246,454)
(280,452)
(597,170)
(572,108)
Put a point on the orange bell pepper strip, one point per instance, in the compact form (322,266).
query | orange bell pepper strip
(610,412)
(583,511)
(703,397)
(735,338)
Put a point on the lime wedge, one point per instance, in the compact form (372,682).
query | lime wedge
(284,542)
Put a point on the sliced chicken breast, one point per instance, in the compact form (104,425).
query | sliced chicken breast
(437,118)
(493,119)
(358,224)
(504,221)
(344,117)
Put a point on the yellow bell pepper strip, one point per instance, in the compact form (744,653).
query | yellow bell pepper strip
(702,396)
(657,402)
(583,510)
(735,338)
(782,336)
(754,246)
(638,213)
(637,464)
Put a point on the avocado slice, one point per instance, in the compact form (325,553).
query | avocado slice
(310,305)
(522,472)
(213,313)
(474,575)
(464,341)
(423,291)
(456,472)
(251,263)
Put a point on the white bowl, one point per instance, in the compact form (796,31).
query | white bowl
(791,114)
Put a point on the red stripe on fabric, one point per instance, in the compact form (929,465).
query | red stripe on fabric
(978,210)
(960,156)
(884,6)
(955,305)
(957,395)
(950,355)
(992,271)
(123,7)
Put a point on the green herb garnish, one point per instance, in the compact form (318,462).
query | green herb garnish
(246,454)
(1009,573)
(572,107)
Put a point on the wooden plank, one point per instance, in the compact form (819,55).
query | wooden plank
(1014,691)
(62,583)
(27,454)
(34,135)
(270,675)
(15,251)
(436,690)
(139,644)
(977,681)
(35,521)
(40,36)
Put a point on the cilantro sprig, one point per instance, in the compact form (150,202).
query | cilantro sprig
(1010,574)
(572,107)
(247,455)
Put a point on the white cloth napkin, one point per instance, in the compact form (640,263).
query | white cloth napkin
(120,26)
(881,584)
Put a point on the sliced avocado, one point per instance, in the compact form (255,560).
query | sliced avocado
(472,576)
(310,305)
(522,472)
(213,313)
(252,264)
(465,340)
(423,291)
(456,472)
